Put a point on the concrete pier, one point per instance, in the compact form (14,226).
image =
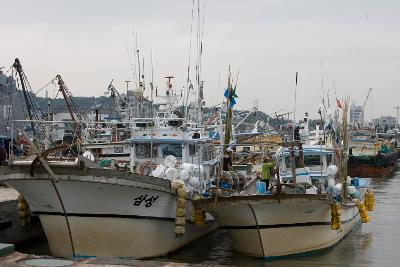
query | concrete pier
(17,259)
(6,249)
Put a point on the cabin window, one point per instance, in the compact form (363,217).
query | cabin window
(246,149)
(312,160)
(143,151)
(97,151)
(174,150)
(118,149)
(309,160)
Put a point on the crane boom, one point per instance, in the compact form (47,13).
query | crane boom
(25,87)
(65,92)
(73,110)
(363,106)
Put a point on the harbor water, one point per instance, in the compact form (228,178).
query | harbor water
(372,244)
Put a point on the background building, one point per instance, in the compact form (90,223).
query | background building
(385,122)
(355,113)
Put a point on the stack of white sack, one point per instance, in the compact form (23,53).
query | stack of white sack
(159,171)
(187,174)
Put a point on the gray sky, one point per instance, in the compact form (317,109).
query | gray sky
(86,42)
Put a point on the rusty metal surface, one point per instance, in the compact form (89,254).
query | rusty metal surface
(371,171)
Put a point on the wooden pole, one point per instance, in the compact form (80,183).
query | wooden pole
(293,161)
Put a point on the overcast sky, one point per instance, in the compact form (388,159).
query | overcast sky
(87,41)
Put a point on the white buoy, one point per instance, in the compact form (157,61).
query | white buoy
(184,175)
(170,161)
(159,171)
(87,154)
(332,170)
(194,182)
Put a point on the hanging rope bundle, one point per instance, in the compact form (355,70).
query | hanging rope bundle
(363,212)
(23,210)
(369,201)
(200,217)
(335,216)
(180,218)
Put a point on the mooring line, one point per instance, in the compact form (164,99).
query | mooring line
(65,216)
(258,229)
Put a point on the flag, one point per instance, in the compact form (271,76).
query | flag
(226,93)
(232,102)
(231,96)
(234,95)
(339,105)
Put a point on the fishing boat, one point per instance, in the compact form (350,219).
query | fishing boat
(310,206)
(370,155)
(295,221)
(88,210)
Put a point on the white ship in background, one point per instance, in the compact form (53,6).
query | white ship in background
(10,104)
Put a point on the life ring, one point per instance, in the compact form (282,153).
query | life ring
(146,168)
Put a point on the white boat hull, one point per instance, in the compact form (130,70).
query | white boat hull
(116,237)
(274,228)
(106,217)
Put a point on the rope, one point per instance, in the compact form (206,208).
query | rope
(44,86)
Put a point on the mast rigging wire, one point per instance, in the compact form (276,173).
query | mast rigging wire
(189,62)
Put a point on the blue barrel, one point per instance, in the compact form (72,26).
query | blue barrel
(261,188)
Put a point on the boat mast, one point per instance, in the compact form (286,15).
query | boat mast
(48,129)
(200,84)
(293,161)
(294,141)
(228,122)
(152,83)
(188,81)
(345,156)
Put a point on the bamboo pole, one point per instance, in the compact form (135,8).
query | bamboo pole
(345,156)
